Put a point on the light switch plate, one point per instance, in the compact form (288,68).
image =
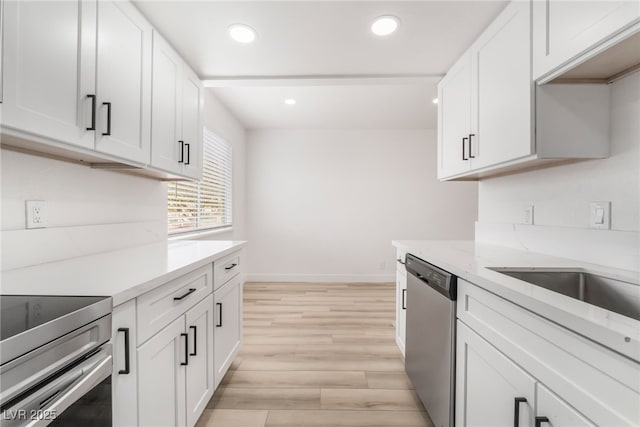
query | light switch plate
(600,215)
(527,214)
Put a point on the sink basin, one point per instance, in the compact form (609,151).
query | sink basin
(615,295)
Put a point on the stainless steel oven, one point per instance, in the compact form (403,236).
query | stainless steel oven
(56,361)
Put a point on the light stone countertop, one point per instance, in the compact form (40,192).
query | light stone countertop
(122,274)
(469,260)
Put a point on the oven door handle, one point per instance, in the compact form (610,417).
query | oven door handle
(61,393)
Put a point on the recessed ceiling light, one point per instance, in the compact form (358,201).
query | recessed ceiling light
(290,101)
(242,33)
(384,25)
(434,100)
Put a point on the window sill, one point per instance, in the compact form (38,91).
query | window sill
(190,235)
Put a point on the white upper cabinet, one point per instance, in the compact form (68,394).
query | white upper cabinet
(564,31)
(497,120)
(501,89)
(123,81)
(176,131)
(79,72)
(454,119)
(49,69)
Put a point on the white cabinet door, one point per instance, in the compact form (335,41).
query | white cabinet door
(558,412)
(123,81)
(228,325)
(49,69)
(200,371)
(501,88)
(563,30)
(161,377)
(454,119)
(166,117)
(192,98)
(488,384)
(401,310)
(125,372)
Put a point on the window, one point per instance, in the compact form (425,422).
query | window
(205,204)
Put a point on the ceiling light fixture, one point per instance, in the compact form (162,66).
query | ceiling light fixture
(290,101)
(384,25)
(242,33)
(434,100)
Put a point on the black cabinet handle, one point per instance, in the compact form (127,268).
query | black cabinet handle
(181,297)
(230,267)
(195,340)
(188,154)
(181,151)
(540,420)
(108,132)
(127,355)
(404,299)
(470,155)
(400,261)
(93,112)
(186,350)
(516,410)
(219,324)
(463,144)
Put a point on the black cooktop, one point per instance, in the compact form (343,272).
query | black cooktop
(20,313)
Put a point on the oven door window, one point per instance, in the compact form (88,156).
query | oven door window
(93,409)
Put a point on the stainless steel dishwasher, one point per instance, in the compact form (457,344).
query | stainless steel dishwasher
(431,338)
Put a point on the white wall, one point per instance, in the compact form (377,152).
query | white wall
(561,194)
(325,205)
(87,210)
(218,119)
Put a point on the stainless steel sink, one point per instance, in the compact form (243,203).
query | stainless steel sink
(611,294)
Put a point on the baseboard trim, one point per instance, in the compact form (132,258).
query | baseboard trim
(321,278)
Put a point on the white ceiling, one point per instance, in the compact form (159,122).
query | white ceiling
(327,39)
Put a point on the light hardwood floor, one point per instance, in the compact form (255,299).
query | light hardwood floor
(317,355)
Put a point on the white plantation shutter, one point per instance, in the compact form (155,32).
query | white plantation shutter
(205,204)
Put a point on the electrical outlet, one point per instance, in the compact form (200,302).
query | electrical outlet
(600,215)
(527,214)
(36,214)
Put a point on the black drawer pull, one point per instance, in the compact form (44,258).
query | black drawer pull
(188,162)
(108,132)
(540,420)
(404,299)
(219,324)
(230,267)
(181,297)
(186,350)
(181,151)
(195,340)
(127,355)
(516,410)
(93,112)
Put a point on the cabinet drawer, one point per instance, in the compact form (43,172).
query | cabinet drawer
(225,269)
(160,306)
(599,383)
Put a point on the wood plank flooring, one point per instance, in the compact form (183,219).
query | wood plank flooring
(317,355)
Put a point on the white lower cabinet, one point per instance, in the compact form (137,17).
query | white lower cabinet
(228,326)
(161,377)
(172,345)
(401,303)
(200,374)
(491,387)
(124,380)
(514,367)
